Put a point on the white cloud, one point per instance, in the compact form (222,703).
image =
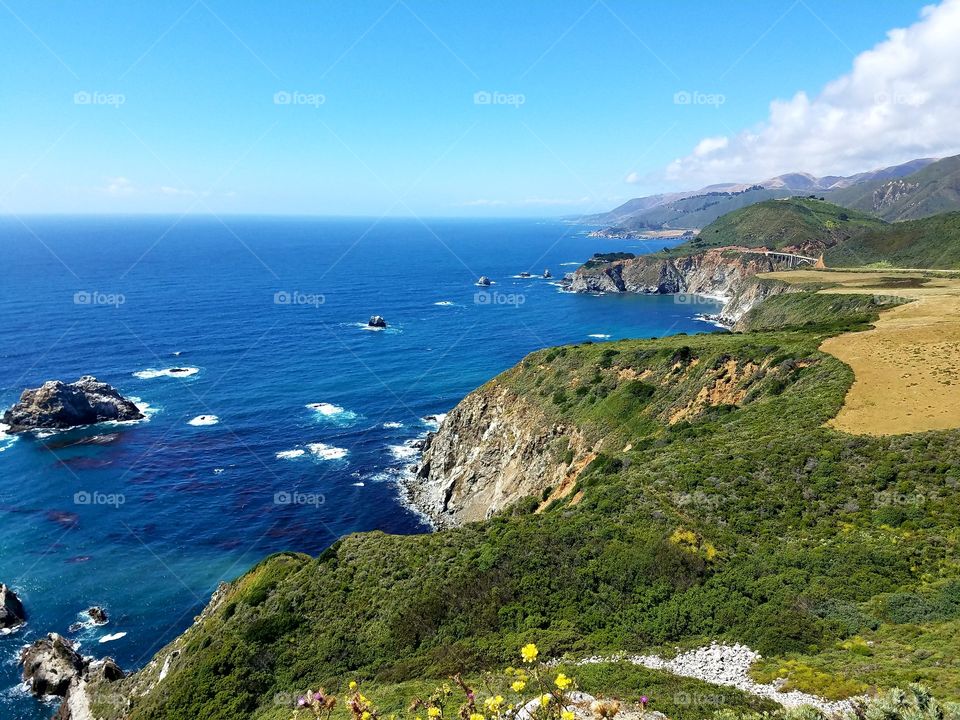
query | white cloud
(899,101)
(119,186)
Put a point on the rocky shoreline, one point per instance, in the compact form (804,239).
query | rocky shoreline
(725,274)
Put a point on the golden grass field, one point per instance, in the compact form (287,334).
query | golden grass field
(907,367)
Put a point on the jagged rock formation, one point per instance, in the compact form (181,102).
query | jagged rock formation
(50,665)
(493,448)
(12,614)
(722,273)
(377,321)
(59,405)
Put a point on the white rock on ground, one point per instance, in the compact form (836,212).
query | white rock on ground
(728,665)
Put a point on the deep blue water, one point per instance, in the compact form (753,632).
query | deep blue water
(175,507)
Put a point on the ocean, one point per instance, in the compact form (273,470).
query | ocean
(312,411)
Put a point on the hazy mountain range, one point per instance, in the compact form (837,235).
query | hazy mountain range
(913,189)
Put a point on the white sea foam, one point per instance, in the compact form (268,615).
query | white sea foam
(151,373)
(201,420)
(403,452)
(111,638)
(445,303)
(599,336)
(358,484)
(217,471)
(433,421)
(392,425)
(327,452)
(328,412)
(290,454)
(6,440)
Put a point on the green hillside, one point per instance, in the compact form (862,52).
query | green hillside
(718,506)
(935,189)
(805,225)
(932,242)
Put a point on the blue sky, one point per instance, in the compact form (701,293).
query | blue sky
(370,107)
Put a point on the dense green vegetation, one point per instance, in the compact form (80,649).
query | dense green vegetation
(932,242)
(718,506)
(802,309)
(804,223)
(934,189)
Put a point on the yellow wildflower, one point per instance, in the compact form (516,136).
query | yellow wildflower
(366,715)
(493,704)
(562,681)
(476,716)
(545,699)
(353,684)
(518,685)
(529,652)
(567,715)
(433,712)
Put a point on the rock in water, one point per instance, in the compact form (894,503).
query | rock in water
(524,274)
(12,614)
(547,274)
(50,665)
(59,405)
(377,322)
(484,281)
(98,615)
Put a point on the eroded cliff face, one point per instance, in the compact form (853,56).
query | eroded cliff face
(492,449)
(722,273)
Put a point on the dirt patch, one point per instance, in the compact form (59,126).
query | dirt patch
(907,369)
(726,389)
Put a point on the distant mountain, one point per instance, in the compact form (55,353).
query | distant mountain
(698,208)
(803,225)
(934,188)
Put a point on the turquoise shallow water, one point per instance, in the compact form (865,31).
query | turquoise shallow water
(147,518)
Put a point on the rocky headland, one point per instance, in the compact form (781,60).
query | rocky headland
(57,405)
(728,274)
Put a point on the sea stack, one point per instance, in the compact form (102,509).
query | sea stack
(50,665)
(12,614)
(57,405)
(524,274)
(376,321)
(484,281)
(547,274)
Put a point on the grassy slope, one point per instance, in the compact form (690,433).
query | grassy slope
(938,192)
(932,242)
(794,222)
(793,546)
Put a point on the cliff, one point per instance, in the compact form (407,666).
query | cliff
(493,448)
(723,272)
